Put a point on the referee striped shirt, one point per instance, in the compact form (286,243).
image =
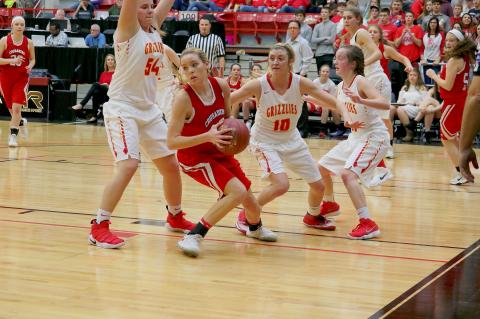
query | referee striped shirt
(211,44)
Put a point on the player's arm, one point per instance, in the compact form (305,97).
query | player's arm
(391,53)
(128,25)
(31,50)
(366,41)
(319,97)
(251,88)
(161,11)
(226,95)
(172,55)
(368,96)
(470,127)
(453,66)
(182,109)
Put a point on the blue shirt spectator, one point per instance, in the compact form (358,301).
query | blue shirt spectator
(95,39)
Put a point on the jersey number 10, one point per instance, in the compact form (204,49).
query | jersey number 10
(281,125)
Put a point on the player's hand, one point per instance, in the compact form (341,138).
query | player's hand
(466,157)
(17,60)
(28,68)
(354,125)
(431,74)
(353,96)
(218,135)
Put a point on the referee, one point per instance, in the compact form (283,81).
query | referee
(211,44)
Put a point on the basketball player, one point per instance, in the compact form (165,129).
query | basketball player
(356,157)
(275,140)
(470,125)
(132,119)
(453,84)
(195,130)
(17,58)
(374,73)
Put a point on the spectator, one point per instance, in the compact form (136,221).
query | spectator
(397,16)
(84,11)
(115,9)
(468,5)
(327,85)
(444,21)
(305,30)
(433,42)
(446,8)
(60,15)
(477,38)
(323,38)
(411,95)
(95,39)
(388,28)
(252,6)
(468,27)
(457,13)
(303,59)
(373,15)
(294,5)
(56,38)
(303,53)
(408,39)
(337,11)
(211,44)
(273,5)
(429,109)
(475,11)
(98,90)
(213,5)
(426,10)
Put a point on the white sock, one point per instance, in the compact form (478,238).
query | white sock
(314,211)
(328,198)
(103,215)
(363,213)
(174,210)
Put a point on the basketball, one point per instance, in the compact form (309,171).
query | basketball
(241,136)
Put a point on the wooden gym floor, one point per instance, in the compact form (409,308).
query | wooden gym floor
(425,264)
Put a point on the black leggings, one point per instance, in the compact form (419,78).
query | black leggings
(98,94)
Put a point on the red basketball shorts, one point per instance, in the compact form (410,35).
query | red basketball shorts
(451,120)
(214,170)
(14,88)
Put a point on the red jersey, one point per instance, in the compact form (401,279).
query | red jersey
(12,51)
(460,86)
(105,77)
(203,118)
(236,86)
(383,61)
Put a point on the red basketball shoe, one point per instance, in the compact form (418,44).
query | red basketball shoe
(329,209)
(366,229)
(101,236)
(241,223)
(318,222)
(178,223)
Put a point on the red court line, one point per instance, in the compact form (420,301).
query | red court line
(241,242)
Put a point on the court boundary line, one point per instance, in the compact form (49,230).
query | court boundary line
(238,242)
(232,227)
(425,282)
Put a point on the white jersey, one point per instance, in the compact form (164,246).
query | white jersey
(165,74)
(139,66)
(360,112)
(373,68)
(277,115)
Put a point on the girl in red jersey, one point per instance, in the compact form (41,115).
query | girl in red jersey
(17,58)
(195,131)
(453,84)
(235,81)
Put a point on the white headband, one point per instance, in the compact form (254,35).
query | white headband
(457,34)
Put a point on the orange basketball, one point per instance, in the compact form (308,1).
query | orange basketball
(241,136)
